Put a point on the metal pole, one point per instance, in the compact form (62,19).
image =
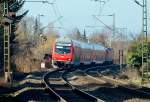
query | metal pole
(100,7)
(114,30)
(112,37)
(144,28)
(43,46)
(142,39)
(145,17)
(39,18)
(39,24)
(119,57)
(7,30)
(122,59)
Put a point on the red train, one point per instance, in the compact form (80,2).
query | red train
(69,52)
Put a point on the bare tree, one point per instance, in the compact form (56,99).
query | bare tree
(51,34)
(25,57)
(75,34)
(99,37)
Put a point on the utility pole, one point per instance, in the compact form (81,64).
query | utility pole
(144,38)
(102,2)
(7,29)
(37,30)
(39,19)
(112,37)
(114,28)
(121,58)
(9,22)
(145,57)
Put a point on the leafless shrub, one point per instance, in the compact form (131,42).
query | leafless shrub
(29,52)
(99,37)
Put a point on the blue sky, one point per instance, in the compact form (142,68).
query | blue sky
(78,14)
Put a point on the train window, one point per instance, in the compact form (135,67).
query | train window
(62,49)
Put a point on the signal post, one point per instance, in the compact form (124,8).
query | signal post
(9,21)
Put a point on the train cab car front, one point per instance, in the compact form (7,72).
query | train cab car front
(62,54)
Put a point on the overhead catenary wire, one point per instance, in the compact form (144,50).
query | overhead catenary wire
(111,29)
(58,14)
(38,1)
(53,4)
(102,22)
(101,5)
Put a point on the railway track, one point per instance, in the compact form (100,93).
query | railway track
(49,89)
(59,87)
(121,85)
(66,92)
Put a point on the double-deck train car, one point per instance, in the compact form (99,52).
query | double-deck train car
(69,52)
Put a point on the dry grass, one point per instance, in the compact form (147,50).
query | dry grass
(2,81)
(137,100)
(131,73)
(27,64)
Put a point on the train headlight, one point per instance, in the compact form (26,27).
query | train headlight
(54,58)
(69,59)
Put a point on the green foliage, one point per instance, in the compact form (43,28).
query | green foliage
(84,38)
(134,57)
(78,34)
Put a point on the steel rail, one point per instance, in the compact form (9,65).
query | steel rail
(102,68)
(46,82)
(123,86)
(80,92)
(75,90)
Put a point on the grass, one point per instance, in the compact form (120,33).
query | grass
(140,83)
(147,74)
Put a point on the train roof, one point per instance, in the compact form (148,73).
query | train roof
(63,40)
(67,40)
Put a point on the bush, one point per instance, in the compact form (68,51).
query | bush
(134,57)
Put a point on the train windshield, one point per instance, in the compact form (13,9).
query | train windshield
(63,49)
